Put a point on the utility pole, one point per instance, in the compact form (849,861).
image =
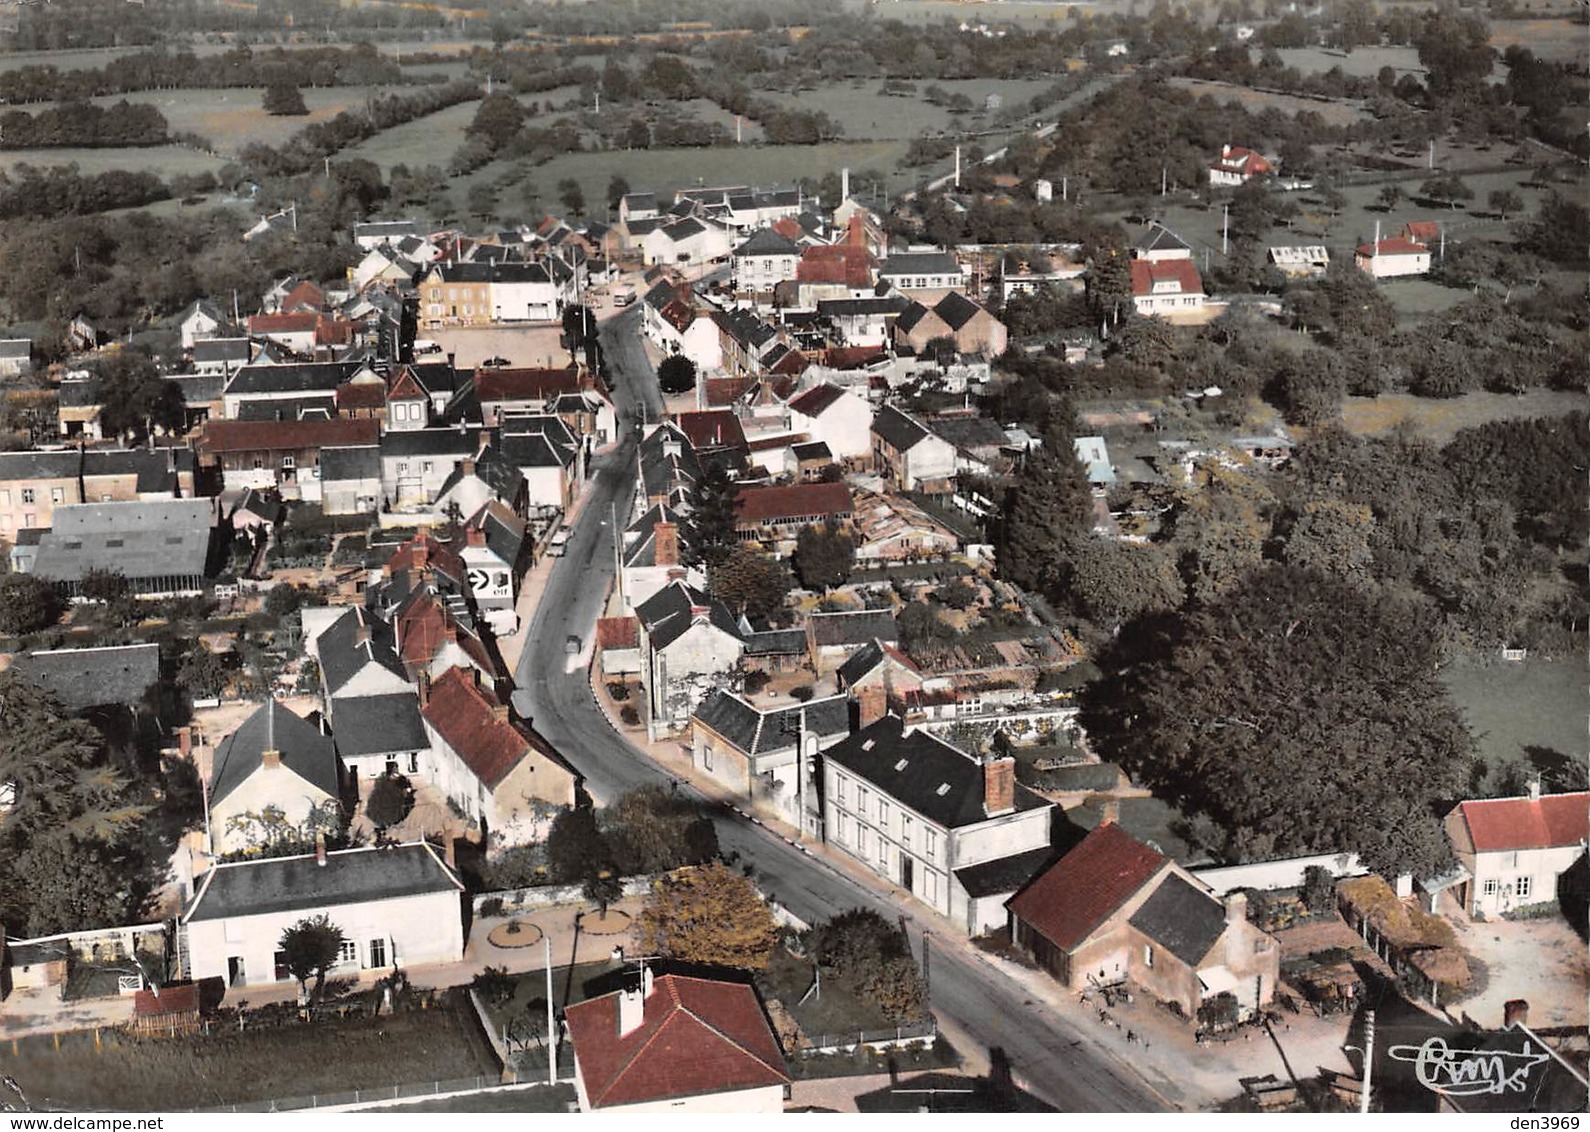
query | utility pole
(1369,1059)
(552,1023)
(1162,181)
(1432,153)
(1225,229)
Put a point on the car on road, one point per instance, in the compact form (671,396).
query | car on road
(572,645)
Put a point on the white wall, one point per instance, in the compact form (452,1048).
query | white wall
(278,787)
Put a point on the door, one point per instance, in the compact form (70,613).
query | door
(236,976)
(907,873)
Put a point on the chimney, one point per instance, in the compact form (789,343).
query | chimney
(1110,812)
(475,536)
(1534,789)
(1236,907)
(856,232)
(667,536)
(700,612)
(677,574)
(361,635)
(844,184)
(1515,1011)
(424,689)
(872,704)
(1225,151)
(270,759)
(631,1009)
(671,448)
(467,467)
(185,741)
(999,785)
(320,849)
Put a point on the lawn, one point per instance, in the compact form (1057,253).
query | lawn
(1439,419)
(165,160)
(234,118)
(252,1066)
(864,113)
(1560,41)
(836,1011)
(1334,113)
(430,140)
(1539,703)
(1362,62)
(585,980)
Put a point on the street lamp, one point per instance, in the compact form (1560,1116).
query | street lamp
(1368,1052)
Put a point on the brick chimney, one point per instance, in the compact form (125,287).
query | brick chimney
(424,688)
(422,548)
(1515,1010)
(270,759)
(677,573)
(667,536)
(361,635)
(999,785)
(1110,812)
(1236,907)
(475,536)
(855,231)
(185,741)
(467,467)
(872,704)
(499,712)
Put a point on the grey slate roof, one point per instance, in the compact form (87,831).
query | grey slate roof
(1003,874)
(776,642)
(919,263)
(302,377)
(222,350)
(1183,920)
(758,732)
(956,309)
(378,725)
(460,442)
(967,433)
(1158,238)
(812,450)
(859,627)
(765,242)
(16,348)
(341,659)
(85,678)
(197,388)
(38,465)
(666,614)
(287,409)
(79,393)
(151,539)
(352,876)
(901,431)
(912,768)
(156,469)
(304,750)
(347,464)
(494,470)
(435,377)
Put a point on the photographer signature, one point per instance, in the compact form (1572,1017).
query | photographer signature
(1469,1072)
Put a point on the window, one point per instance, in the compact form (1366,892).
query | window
(1492,887)
(5,496)
(348,951)
(861,840)
(414,762)
(427,467)
(378,953)
(930,885)
(1148,955)
(839,789)
(27,495)
(861,801)
(403,467)
(1522,887)
(905,829)
(57,495)
(883,814)
(289,462)
(930,844)
(706,757)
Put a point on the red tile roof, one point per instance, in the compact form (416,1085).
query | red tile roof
(787,228)
(461,713)
(525,384)
(844,264)
(1394,245)
(712,428)
(276,436)
(726,390)
(426,551)
(815,400)
(697,1036)
(1504,824)
(1148,272)
(1071,899)
(334,332)
(1422,231)
(424,628)
(796,501)
(852,357)
(361,395)
(293,322)
(405,387)
(618,632)
(180,999)
(305,296)
(1236,159)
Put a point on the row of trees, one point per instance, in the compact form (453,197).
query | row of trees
(84,124)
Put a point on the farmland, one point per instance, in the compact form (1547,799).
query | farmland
(864,113)
(424,141)
(1438,420)
(166,160)
(1509,706)
(1335,112)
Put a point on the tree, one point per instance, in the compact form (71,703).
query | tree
(1332,537)
(283,100)
(1111,582)
(1390,197)
(824,556)
(712,519)
(103,585)
(652,830)
(576,848)
(1296,714)
(136,400)
(874,956)
(311,947)
(1050,504)
(27,604)
(617,190)
(481,200)
(391,800)
(712,915)
(572,196)
(603,888)
(1504,202)
(498,120)
(202,673)
(1448,187)
(676,374)
(750,583)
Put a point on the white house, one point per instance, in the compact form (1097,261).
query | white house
(763,261)
(492,545)
(688,240)
(274,759)
(1166,287)
(1236,165)
(753,750)
(689,642)
(357,658)
(918,811)
(934,270)
(836,417)
(399,906)
(1392,257)
(202,319)
(1514,849)
(908,455)
(676,1044)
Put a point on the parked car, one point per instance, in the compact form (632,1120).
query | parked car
(572,645)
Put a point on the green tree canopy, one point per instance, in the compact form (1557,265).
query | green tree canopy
(676,374)
(576,847)
(824,556)
(136,399)
(1297,713)
(310,948)
(712,915)
(391,800)
(749,582)
(27,604)
(283,99)
(1050,504)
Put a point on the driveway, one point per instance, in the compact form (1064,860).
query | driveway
(1543,962)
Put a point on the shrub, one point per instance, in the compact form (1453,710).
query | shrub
(491,906)
(629,716)
(618,690)
(802,693)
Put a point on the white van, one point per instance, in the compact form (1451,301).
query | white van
(559,542)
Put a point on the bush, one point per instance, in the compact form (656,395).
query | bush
(27,604)
(802,693)
(629,716)
(618,690)
(491,906)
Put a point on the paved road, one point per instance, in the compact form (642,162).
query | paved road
(1054,1060)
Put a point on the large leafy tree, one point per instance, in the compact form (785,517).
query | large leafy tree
(309,948)
(1110,582)
(1050,504)
(874,955)
(576,847)
(824,556)
(27,604)
(712,535)
(283,99)
(711,915)
(676,374)
(136,399)
(652,829)
(750,583)
(1297,713)
(391,800)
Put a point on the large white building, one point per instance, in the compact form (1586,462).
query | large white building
(1514,849)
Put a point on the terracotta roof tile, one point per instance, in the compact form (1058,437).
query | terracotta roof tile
(712,428)
(697,1036)
(1393,245)
(259,436)
(525,384)
(618,633)
(1071,899)
(1502,824)
(461,713)
(796,501)
(1147,273)
(361,395)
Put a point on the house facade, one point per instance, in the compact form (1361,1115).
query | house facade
(689,642)
(909,456)
(398,906)
(1392,257)
(753,751)
(1515,849)
(273,760)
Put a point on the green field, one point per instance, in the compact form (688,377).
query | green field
(1509,706)
(1439,419)
(865,113)
(1334,113)
(165,160)
(1028,13)
(430,140)
(82,58)
(1361,62)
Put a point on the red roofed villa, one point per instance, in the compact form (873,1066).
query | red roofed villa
(1166,286)
(1392,257)
(1236,165)
(1514,849)
(676,1044)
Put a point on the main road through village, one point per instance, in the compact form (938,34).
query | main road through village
(1055,1060)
